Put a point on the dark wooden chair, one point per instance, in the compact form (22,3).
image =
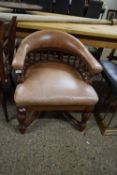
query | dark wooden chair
(94,9)
(46,4)
(30,1)
(7,44)
(77,7)
(58,79)
(106,120)
(61,7)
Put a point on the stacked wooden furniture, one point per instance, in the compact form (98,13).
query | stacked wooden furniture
(74,7)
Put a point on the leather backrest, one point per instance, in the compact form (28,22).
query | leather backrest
(55,40)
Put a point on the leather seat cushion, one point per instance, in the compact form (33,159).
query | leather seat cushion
(110,70)
(51,84)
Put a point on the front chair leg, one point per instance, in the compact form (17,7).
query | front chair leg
(22,119)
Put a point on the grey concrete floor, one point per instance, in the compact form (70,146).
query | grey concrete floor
(52,146)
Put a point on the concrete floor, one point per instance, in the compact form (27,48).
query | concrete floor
(52,146)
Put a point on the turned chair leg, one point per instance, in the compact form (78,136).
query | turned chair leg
(22,119)
(79,124)
(83,122)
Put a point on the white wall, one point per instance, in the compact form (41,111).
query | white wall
(110,4)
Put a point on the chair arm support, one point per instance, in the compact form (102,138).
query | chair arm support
(19,59)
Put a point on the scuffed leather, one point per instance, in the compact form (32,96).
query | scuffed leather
(54,84)
(57,40)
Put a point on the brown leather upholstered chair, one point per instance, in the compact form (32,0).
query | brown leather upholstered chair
(59,81)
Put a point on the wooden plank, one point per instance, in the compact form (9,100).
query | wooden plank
(89,42)
(2,9)
(102,31)
(101,43)
(20,5)
(93,35)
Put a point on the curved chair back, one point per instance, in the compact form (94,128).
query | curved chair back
(57,40)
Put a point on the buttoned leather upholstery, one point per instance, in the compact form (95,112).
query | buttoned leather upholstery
(53,84)
(110,70)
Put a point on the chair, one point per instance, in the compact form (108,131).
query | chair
(31,1)
(94,9)
(61,7)
(7,44)
(105,121)
(57,80)
(77,7)
(46,4)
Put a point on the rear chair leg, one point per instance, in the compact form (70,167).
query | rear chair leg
(22,119)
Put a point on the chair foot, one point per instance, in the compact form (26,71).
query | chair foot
(22,119)
(22,129)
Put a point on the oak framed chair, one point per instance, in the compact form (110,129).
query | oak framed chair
(7,45)
(57,78)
